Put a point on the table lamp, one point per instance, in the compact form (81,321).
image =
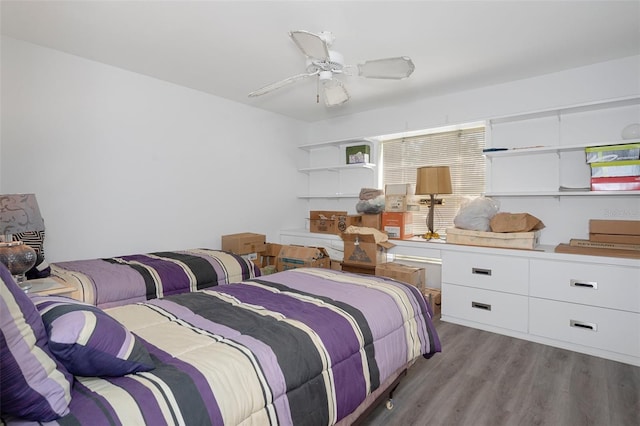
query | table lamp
(18,213)
(432,180)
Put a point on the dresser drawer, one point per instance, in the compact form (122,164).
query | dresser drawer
(503,310)
(616,287)
(492,272)
(601,328)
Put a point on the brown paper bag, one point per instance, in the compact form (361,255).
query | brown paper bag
(515,222)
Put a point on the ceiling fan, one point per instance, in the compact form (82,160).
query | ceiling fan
(326,64)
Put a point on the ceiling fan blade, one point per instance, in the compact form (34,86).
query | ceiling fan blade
(334,92)
(312,45)
(391,68)
(278,84)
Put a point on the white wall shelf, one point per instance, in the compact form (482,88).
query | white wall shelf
(337,168)
(551,149)
(355,141)
(586,107)
(310,197)
(544,170)
(563,194)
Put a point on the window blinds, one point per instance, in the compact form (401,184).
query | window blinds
(461,150)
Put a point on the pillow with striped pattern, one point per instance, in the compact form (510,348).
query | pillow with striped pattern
(33,385)
(89,342)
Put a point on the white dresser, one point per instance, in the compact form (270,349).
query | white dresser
(588,304)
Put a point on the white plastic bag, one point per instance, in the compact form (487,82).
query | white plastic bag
(476,213)
(374,205)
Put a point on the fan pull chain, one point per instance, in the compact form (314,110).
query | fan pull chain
(318,91)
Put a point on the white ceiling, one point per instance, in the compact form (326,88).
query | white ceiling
(229,48)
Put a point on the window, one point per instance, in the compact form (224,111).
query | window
(461,150)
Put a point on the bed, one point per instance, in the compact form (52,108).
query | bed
(121,280)
(304,347)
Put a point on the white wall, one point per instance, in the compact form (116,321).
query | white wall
(123,163)
(606,80)
(564,217)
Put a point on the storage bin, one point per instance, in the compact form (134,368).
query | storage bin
(603,154)
(616,168)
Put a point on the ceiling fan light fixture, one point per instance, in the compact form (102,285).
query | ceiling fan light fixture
(325,75)
(334,92)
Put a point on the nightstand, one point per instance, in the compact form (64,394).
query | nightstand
(49,287)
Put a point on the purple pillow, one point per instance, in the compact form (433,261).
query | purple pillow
(89,342)
(33,385)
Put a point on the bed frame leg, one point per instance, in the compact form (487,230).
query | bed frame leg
(388,395)
(389,403)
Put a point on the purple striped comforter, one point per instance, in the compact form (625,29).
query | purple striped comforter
(301,347)
(127,279)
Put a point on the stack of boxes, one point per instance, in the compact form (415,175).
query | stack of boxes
(336,222)
(615,238)
(614,167)
(271,257)
(399,205)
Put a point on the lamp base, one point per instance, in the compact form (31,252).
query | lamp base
(431,236)
(18,258)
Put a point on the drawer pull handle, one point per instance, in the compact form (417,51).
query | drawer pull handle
(480,271)
(584,284)
(483,306)
(585,325)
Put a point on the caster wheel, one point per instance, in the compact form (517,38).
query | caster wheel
(389,404)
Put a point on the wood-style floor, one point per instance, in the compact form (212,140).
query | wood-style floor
(483,378)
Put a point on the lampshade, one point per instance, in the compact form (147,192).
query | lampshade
(19,213)
(433,180)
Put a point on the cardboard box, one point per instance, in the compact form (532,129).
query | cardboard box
(269,256)
(362,249)
(616,227)
(593,251)
(400,189)
(243,243)
(515,222)
(400,203)
(433,297)
(619,183)
(336,265)
(399,272)
(371,220)
(358,269)
(514,240)
(365,220)
(358,154)
(352,220)
(327,222)
(614,238)
(398,225)
(292,257)
(597,154)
